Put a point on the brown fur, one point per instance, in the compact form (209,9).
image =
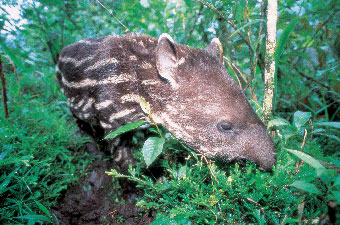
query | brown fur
(188,89)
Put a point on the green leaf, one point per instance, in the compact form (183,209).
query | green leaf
(35,218)
(278,122)
(152,147)
(329,124)
(305,186)
(330,136)
(336,195)
(188,3)
(8,179)
(145,106)
(240,7)
(43,208)
(244,26)
(300,118)
(181,173)
(13,56)
(308,159)
(126,128)
(337,181)
(165,220)
(336,162)
(284,39)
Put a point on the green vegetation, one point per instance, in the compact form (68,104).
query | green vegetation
(41,154)
(197,191)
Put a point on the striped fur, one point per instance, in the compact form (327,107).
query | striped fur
(188,89)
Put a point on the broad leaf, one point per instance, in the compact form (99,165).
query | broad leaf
(278,122)
(152,148)
(126,128)
(305,186)
(300,118)
(308,159)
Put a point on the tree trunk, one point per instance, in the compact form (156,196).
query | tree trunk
(270,60)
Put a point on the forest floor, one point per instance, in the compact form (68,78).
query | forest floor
(92,200)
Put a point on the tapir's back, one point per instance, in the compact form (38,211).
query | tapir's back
(101,77)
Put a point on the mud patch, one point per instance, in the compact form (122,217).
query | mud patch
(91,200)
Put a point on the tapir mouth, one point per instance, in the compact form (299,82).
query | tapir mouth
(261,167)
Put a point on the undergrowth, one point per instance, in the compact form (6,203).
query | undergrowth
(185,188)
(40,152)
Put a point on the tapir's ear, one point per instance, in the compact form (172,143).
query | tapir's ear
(167,59)
(215,48)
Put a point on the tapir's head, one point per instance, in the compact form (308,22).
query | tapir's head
(206,108)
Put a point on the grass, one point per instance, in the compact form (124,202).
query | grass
(40,154)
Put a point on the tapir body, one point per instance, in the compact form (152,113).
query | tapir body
(188,89)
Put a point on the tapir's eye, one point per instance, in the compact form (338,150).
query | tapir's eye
(225,127)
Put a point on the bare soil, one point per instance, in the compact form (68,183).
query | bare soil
(91,200)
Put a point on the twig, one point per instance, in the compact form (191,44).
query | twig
(231,67)
(250,52)
(304,139)
(311,78)
(43,24)
(242,76)
(257,204)
(312,126)
(126,28)
(4,92)
(284,219)
(319,27)
(14,71)
(239,72)
(299,163)
(195,23)
(252,75)
(231,22)
(209,166)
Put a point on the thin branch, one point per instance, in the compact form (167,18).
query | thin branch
(304,139)
(252,75)
(231,22)
(14,71)
(4,91)
(125,27)
(43,25)
(232,65)
(250,52)
(311,78)
(195,23)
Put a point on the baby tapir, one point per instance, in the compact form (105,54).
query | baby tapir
(189,90)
